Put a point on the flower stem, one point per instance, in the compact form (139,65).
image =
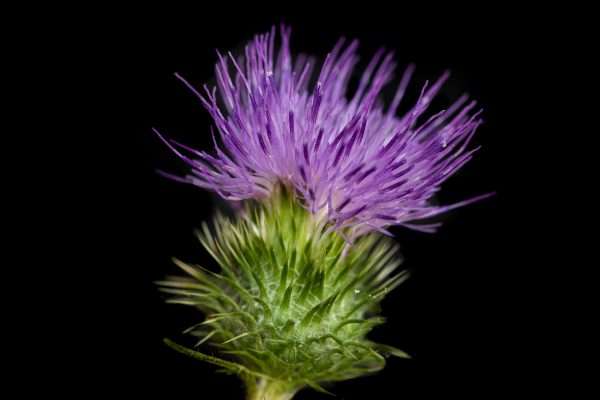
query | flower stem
(266,389)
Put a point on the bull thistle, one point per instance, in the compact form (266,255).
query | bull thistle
(306,260)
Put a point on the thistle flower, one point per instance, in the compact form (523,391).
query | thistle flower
(354,162)
(302,265)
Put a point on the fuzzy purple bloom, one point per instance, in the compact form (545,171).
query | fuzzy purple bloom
(354,161)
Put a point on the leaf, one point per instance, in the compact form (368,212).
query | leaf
(285,303)
(228,365)
(390,350)
(241,335)
(314,385)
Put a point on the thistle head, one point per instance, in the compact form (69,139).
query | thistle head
(321,173)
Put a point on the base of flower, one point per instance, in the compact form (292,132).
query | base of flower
(266,389)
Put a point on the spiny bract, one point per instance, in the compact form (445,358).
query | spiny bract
(293,302)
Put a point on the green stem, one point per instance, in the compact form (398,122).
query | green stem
(266,389)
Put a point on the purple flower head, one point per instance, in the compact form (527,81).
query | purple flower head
(352,160)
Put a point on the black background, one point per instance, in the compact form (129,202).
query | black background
(460,315)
